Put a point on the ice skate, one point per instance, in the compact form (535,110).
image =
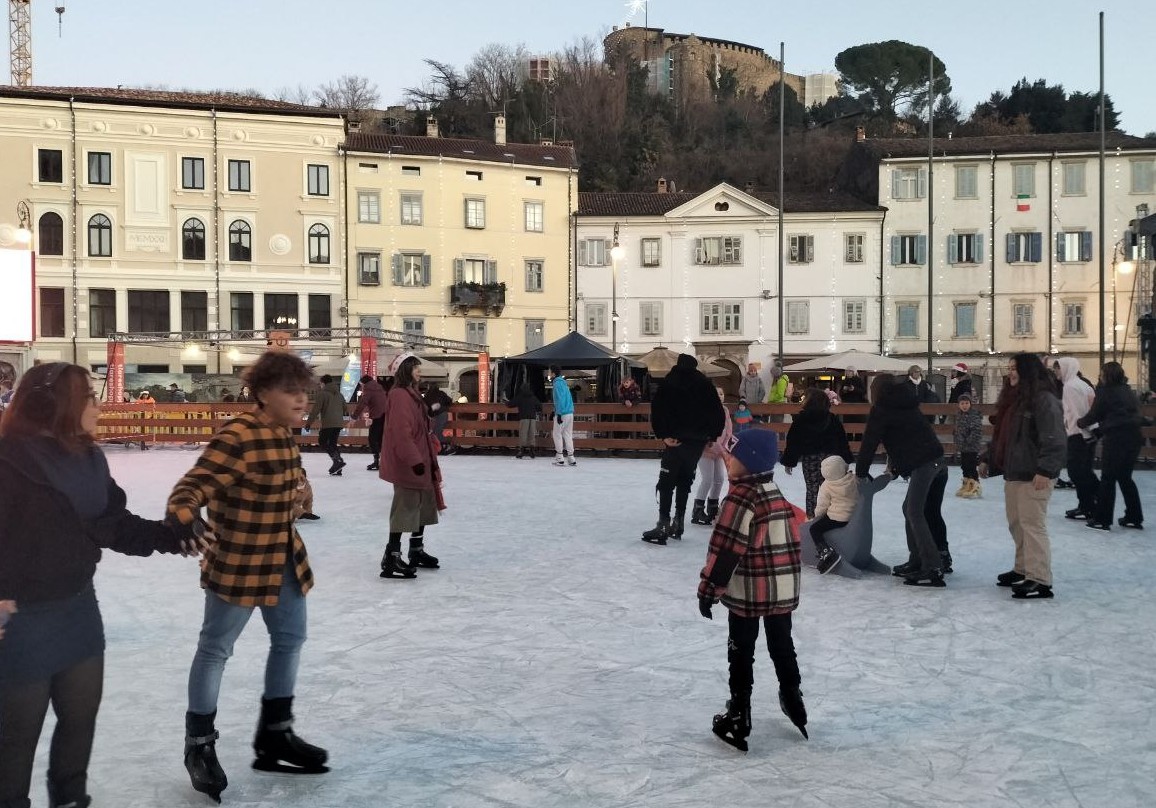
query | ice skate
(734,726)
(928,578)
(559,460)
(1009,578)
(204,769)
(658,533)
(945,559)
(791,702)
(905,569)
(676,526)
(828,559)
(418,557)
(698,513)
(1031,590)
(394,566)
(711,511)
(278,748)
(571,461)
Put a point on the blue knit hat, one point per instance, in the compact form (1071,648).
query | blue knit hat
(757,450)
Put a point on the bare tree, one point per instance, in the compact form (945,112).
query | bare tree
(295,95)
(495,73)
(349,93)
(445,86)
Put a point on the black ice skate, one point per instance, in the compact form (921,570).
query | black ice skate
(394,566)
(791,702)
(658,533)
(828,559)
(418,557)
(676,525)
(734,726)
(278,748)
(204,769)
(711,510)
(698,513)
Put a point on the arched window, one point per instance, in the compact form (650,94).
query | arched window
(100,236)
(50,240)
(240,241)
(319,244)
(193,240)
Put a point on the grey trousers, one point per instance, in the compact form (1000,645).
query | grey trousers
(920,543)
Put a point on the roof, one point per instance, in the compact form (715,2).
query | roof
(599,203)
(885,148)
(571,351)
(129,96)
(462,149)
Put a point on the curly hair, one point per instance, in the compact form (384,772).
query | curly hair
(274,370)
(50,398)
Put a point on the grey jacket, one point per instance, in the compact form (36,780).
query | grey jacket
(752,389)
(1038,443)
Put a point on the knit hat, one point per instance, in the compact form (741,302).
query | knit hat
(959,367)
(964,397)
(742,402)
(833,467)
(757,450)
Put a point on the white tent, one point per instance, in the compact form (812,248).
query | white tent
(860,360)
(660,360)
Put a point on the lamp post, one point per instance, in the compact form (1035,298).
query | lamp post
(1125,267)
(616,254)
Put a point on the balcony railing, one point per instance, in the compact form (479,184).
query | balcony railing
(489,297)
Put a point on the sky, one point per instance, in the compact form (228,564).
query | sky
(987,45)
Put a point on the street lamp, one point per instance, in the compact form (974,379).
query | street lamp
(1125,267)
(616,255)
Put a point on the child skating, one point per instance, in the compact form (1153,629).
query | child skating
(968,438)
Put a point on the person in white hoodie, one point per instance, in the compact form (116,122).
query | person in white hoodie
(1077,399)
(838,495)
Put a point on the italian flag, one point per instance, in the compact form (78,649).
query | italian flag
(1023,203)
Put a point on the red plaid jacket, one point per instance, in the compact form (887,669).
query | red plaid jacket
(753,563)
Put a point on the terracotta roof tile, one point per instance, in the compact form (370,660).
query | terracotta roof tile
(885,148)
(591,203)
(222,101)
(481,150)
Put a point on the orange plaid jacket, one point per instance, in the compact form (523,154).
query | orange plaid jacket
(247,477)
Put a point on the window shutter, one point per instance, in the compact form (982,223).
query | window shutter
(459,270)
(895,183)
(1011,247)
(426,269)
(699,253)
(922,192)
(1086,245)
(953,249)
(397,279)
(1037,247)
(466,212)
(896,246)
(921,249)
(1060,252)
(491,272)
(582,253)
(979,248)
(810,249)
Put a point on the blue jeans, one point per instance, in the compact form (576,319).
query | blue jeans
(222,626)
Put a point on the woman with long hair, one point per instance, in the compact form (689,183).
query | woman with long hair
(1117,410)
(815,433)
(1028,447)
(58,507)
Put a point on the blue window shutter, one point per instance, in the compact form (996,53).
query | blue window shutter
(491,272)
(1060,252)
(1086,245)
(979,248)
(459,270)
(397,280)
(810,249)
(1011,247)
(922,192)
(896,246)
(921,249)
(952,249)
(1037,247)
(426,267)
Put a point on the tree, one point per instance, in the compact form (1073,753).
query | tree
(295,95)
(349,93)
(891,76)
(1047,108)
(494,75)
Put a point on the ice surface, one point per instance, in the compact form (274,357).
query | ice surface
(556,660)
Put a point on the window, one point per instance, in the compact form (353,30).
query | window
(193,240)
(413,326)
(1024,179)
(411,269)
(1143,176)
(50,236)
(1073,179)
(650,316)
(854,320)
(281,311)
(965,182)
(798,316)
(1073,319)
(193,173)
(535,276)
(100,236)
(475,176)
(476,332)
(319,244)
(318,180)
(411,209)
(908,183)
(965,248)
(148,310)
(721,317)
(593,252)
(51,312)
(194,311)
(411,171)
(907,320)
(50,164)
(1074,246)
(908,250)
(718,250)
(1021,319)
(239,179)
(853,247)
(240,241)
(534,181)
(535,334)
(99,168)
(535,216)
(369,269)
(596,319)
(1024,248)
(101,312)
(476,213)
(651,252)
(320,316)
(241,311)
(475,270)
(801,249)
(369,207)
(964,319)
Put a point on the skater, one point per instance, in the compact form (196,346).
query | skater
(968,441)
(1077,399)
(684,415)
(409,460)
(563,419)
(329,406)
(712,472)
(58,507)
(1027,447)
(528,407)
(248,478)
(371,405)
(753,566)
(438,404)
(1117,410)
(838,496)
(815,433)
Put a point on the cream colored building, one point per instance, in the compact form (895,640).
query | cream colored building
(170,212)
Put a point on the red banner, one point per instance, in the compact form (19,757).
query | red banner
(483,381)
(114,377)
(369,357)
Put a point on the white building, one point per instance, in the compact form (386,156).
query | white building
(818,87)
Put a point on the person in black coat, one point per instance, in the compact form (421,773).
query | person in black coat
(913,451)
(1117,410)
(684,415)
(815,433)
(962,386)
(528,407)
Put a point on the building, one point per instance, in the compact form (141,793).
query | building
(819,87)
(166,212)
(539,68)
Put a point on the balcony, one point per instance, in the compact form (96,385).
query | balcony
(490,298)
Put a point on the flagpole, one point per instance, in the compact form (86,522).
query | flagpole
(930,200)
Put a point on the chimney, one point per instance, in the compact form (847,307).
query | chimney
(749,187)
(500,130)
(662,185)
(431,126)
(860,134)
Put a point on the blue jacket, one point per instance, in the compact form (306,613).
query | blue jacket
(563,401)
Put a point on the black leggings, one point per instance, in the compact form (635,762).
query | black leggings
(744,631)
(676,475)
(75,697)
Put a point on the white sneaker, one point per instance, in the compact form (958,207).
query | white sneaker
(570,461)
(559,460)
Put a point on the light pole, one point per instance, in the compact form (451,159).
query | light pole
(616,254)
(1125,267)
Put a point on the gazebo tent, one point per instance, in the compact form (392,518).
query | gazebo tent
(571,352)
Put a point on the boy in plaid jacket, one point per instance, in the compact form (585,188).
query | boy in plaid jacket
(753,567)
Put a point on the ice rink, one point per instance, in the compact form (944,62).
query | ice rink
(555,660)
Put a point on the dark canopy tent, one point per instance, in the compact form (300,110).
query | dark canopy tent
(571,352)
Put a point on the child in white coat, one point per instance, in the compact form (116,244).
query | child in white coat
(838,495)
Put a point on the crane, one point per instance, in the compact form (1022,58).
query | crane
(20,39)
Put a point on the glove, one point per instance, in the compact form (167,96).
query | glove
(559,417)
(704,605)
(419,469)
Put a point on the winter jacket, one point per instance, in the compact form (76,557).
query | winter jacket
(924,392)
(741,419)
(896,422)
(1116,409)
(962,385)
(371,402)
(329,406)
(1036,442)
(839,492)
(753,561)
(1077,396)
(752,388)
(407,442)
(686,407)
(815,433)
(437,402)
(853,390)
(715,447)
(631,394)
(248,477)
(563,401)
(527,405)
(778,394)
(968,431)
(48,551)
